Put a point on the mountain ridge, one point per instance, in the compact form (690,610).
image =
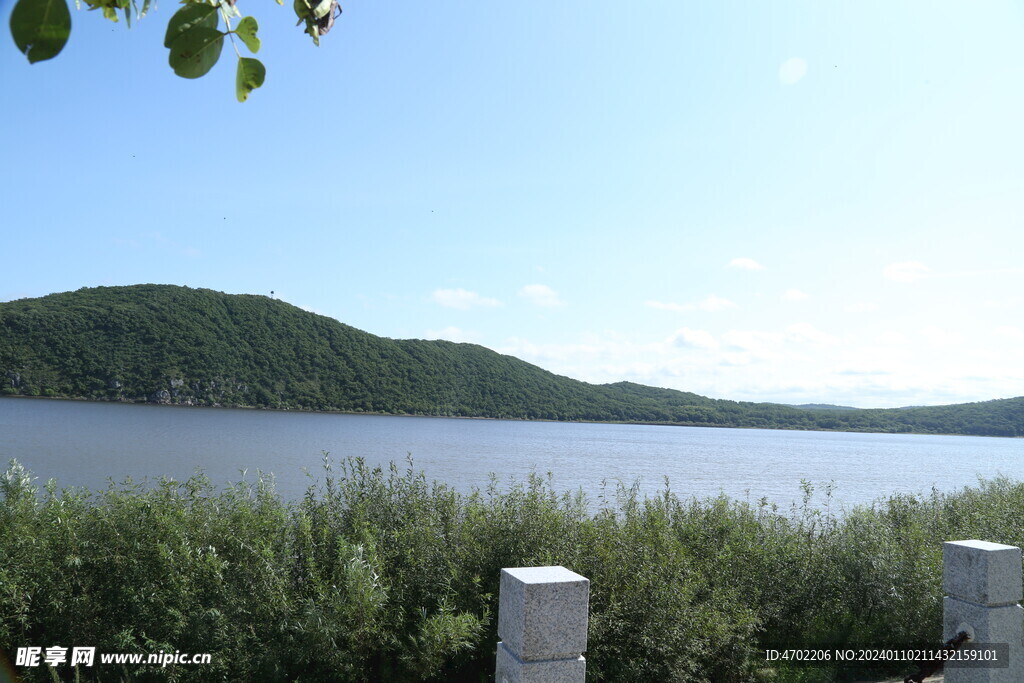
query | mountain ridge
(171,344)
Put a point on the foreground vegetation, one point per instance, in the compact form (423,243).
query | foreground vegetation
(380,575)
(167,344)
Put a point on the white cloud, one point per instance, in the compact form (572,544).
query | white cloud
(792,71)
(940,336)
(462,299)
(891,338)
(1005,302)
(1012,332)
(799,363)
(554,356)
(715,303)
(711,304)
(453,334)
(697,339)
(795,295)
(906,271)
(808,333)
(751,340)
(861,307)
(541,295)
(988,272)
(745,263)
(668,306)
(743,347)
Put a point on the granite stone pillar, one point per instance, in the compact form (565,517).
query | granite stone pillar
(542,623)
(982,582)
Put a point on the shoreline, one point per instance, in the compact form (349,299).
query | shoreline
(313,411)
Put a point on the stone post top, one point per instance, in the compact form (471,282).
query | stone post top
(555,574)
(981,545)
(984,573)
(543,614)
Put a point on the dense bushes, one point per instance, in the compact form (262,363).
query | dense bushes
(380,575)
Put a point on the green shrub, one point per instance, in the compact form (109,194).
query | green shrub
(378,574)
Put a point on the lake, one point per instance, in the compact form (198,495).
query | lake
(83,444)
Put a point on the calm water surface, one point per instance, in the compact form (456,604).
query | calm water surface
(84,444)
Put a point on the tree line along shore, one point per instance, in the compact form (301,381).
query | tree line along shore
(177,345)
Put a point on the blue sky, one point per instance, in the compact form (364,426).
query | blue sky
(787,201)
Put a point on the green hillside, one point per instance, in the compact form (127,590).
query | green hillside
(821,406)
(168,344)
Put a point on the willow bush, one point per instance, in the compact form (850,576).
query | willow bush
(378,574)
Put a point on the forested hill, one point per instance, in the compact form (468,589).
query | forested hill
(168,344)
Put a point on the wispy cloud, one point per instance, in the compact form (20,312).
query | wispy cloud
(462,299)
(987,272)
(541,295)
(794,295)
(751,340)
(869,369)
(1011,332)
(697,339)
(745,263)
(906,271)
(861,307)
(1004,302)
(792,71)
(891,338)
(941,336)
(912,271)
(808,333)
(711,304)
(667,306)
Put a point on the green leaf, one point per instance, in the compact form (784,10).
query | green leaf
(322,9)
(313,31)
(40,28)
(246,30)
(249,76)
(195,51)
(188,18)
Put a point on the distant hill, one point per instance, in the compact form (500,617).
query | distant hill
(821,406)
(168,344)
